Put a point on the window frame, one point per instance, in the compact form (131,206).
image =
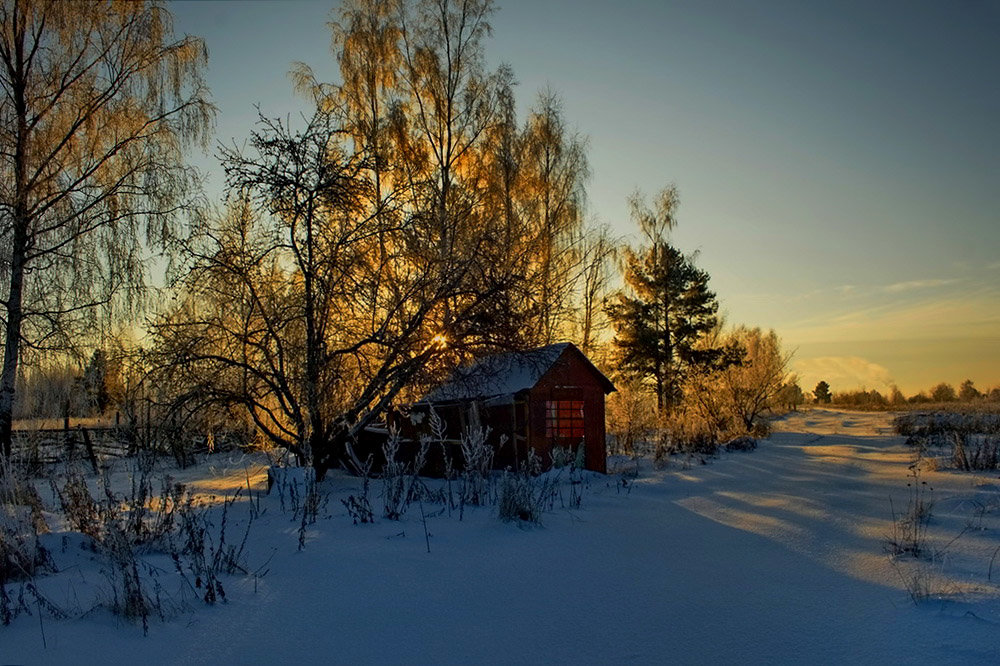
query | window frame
(565,419)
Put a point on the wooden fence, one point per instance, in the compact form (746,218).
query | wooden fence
(37,447)
(42,446)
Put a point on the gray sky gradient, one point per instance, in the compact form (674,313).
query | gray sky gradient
(838,163)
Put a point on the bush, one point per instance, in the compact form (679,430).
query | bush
(526,494)
(685,432)
(862,399)
(119,528)
(974,439)
(517,499)
(631,417)
(22,556)
(399,478)
(741,444)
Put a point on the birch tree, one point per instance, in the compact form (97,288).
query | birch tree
(99,102)
(552,192)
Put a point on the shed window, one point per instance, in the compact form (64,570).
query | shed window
(564,418)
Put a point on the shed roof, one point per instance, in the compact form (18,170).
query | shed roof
(507,374)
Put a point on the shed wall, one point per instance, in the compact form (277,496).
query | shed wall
(570,379)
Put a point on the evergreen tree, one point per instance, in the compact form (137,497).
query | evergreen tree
(102,381)
(822,393)
(667,309)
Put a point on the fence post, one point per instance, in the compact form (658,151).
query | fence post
(89,445)
(68,437)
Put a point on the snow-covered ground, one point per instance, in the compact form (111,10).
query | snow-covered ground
(774,556)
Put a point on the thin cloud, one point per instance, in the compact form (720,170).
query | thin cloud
(913,285)
(842,372)
(967,310)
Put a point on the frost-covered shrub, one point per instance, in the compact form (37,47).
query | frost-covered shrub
(79,507)
(517,499)
(761,429)
(205,554)
(399,478)
(741,444)
(631,419)
(686,433)
(359,509)
(974,439)
(129,597)
(477,456)
(22,556)
(568,457)
(525,494)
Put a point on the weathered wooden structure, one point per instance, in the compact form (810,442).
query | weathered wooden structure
(97,445)
(539,400)
(37,447)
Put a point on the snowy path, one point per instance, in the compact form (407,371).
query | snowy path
(773,556)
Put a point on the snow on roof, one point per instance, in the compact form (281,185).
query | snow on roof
(501,374)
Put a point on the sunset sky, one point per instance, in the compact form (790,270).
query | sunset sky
(838,163)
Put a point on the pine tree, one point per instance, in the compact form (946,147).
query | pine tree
(102,381)
(822,393)
(667,309)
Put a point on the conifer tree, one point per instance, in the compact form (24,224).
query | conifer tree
(666,310)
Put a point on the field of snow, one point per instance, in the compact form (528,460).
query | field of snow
(764,557)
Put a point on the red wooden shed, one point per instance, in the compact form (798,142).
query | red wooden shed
(539,399)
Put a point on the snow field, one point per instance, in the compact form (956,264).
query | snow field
(774,556)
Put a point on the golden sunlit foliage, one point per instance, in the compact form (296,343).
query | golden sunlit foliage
(411,223)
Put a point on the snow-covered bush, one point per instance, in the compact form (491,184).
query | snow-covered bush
(974,439)
(741,444)
(525,494)
(121,526)
(477,456)
(22,556)
(517,499)
(78,505)
(205,554)
(399,479)
(568,457)
(685,432)
(130,597)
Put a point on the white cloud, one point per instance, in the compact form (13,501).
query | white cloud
(842,373)
(912,285)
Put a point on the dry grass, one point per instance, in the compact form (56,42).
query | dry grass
(106,421)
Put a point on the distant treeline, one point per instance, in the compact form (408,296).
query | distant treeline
(940,394)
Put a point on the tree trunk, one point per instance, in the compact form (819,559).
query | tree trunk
(322,453)
(18,259)
(11,353)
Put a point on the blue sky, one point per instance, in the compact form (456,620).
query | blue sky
(838,163)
